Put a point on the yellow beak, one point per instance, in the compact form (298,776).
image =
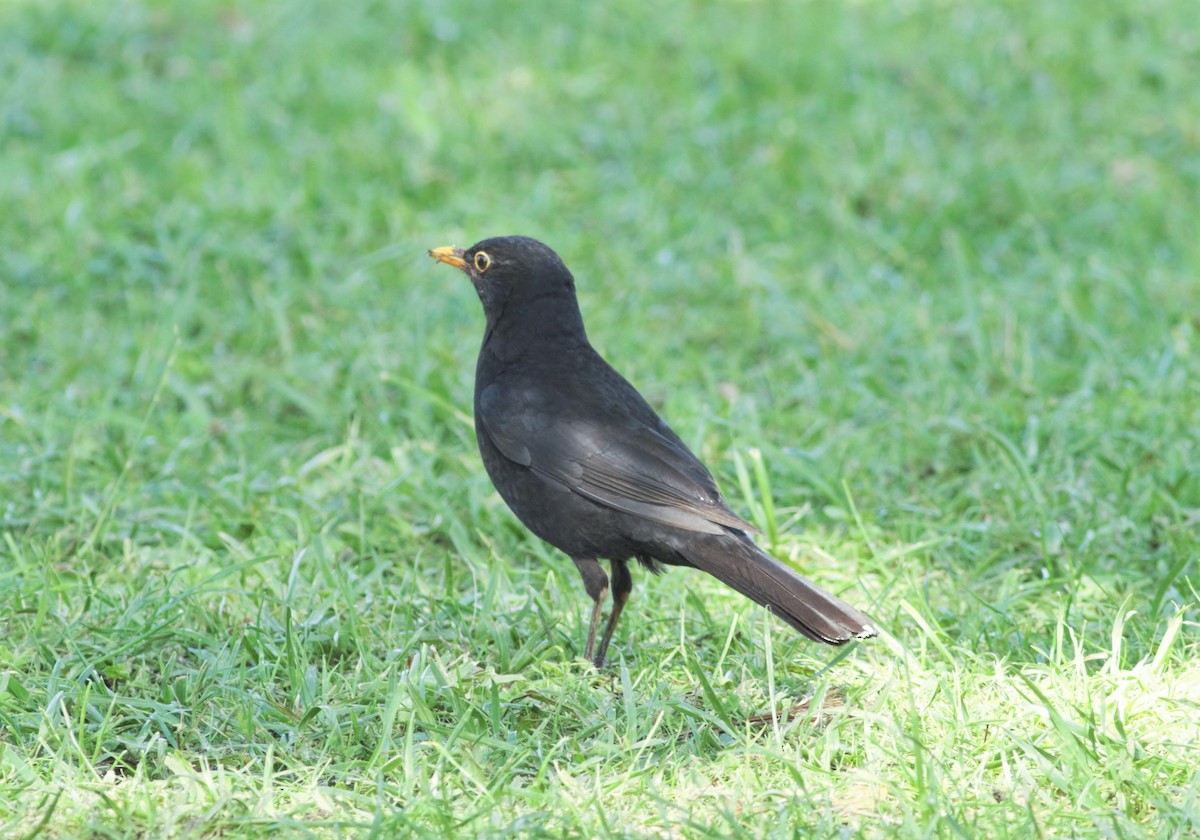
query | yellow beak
(449,255)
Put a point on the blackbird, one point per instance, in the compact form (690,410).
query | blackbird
(587,465)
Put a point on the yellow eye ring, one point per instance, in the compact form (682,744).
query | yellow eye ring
(482,261)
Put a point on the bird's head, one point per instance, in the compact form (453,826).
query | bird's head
(508,270)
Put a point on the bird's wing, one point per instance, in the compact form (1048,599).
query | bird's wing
(633,468)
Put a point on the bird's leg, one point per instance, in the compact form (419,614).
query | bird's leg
(622,585)
(596,584)
(591,642)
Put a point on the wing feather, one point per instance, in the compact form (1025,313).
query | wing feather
(635,468)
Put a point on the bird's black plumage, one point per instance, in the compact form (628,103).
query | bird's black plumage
(587,465)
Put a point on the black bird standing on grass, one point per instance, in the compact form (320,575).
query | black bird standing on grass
(587,465)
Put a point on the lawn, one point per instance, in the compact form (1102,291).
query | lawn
(919,281)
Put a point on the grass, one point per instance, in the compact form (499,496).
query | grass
(918,281)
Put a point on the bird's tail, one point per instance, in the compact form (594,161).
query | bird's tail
(737,562)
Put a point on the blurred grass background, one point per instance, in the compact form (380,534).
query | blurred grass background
(919,280)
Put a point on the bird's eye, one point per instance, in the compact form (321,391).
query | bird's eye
(482,262)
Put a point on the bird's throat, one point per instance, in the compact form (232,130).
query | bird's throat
(548,323)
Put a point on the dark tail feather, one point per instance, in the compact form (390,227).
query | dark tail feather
(737,562)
